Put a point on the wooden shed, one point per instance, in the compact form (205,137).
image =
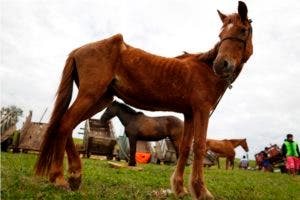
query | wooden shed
(32,134)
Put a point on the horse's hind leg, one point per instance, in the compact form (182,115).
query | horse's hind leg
(74,162)
(75,114)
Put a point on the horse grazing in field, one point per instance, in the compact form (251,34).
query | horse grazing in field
(191,85)
(225,148)
(141,127)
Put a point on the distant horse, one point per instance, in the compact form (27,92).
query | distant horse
(225,148)
(141,127)
(191,85)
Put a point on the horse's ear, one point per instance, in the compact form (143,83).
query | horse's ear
(222,16)
(242,10)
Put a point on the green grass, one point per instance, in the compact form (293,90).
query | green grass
(78,140)
(102,182)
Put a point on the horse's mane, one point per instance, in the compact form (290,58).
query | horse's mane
(209,56)
(206,57)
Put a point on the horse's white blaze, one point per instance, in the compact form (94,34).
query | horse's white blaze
(229,26)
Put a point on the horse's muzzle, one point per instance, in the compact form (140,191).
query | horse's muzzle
(223,68)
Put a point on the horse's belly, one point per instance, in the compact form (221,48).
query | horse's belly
(150,96)
(145,100)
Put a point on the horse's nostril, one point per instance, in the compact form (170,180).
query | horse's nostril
(225,64)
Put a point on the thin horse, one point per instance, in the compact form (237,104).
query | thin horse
(191,85)
(225,148)
(138,126)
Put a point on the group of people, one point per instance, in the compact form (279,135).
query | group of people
(290,152)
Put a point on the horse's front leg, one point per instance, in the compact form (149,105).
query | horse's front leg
(132,144)
(184,150)
(227,163)
(197,185)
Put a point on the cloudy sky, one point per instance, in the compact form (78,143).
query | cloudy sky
(263,106)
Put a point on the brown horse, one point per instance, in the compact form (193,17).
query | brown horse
(225,148)
(191,85)
(138,126)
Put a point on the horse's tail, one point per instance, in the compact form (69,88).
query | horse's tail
(62,101)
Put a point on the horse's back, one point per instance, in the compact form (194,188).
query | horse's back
(108,48)
(222,147)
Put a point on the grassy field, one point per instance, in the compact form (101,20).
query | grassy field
(102,182)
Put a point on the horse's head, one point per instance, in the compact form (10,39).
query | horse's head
(121,110)
(244,145)
(235,46)
(110,112)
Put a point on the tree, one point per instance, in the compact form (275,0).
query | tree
(9,116)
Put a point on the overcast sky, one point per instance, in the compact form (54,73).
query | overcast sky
(263,106)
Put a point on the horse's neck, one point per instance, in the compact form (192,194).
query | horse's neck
(107,116)
(235,143)
(125,117)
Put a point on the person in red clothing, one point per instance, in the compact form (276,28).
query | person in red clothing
(290,151)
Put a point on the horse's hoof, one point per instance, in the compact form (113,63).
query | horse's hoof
(63,187)
(204,195)
(61,184)
(207,195)
(74,181)
(177,187)
(182,193)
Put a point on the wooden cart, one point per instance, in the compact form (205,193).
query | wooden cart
(165,152)
(274,157)
(98,139)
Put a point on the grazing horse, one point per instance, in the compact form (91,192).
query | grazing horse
(225,148)
(191,85)
(141,127)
